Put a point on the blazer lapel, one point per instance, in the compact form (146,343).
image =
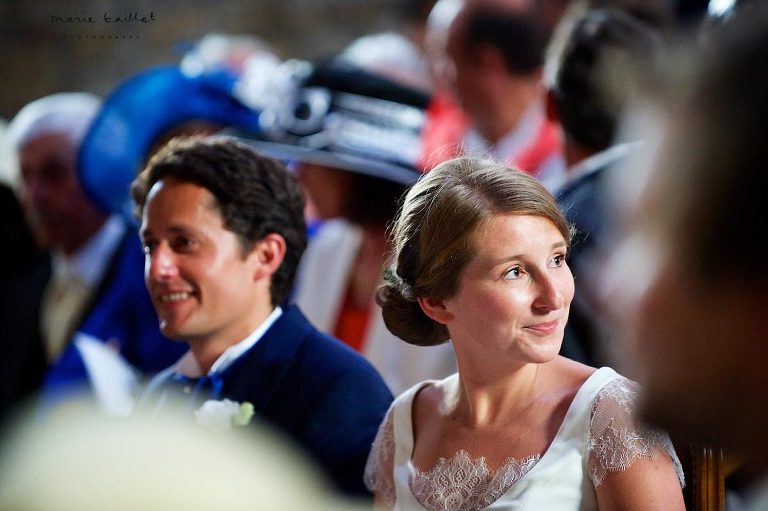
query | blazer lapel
(257,375)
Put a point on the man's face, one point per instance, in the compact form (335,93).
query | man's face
(203,286)
(51,194)
(462,74)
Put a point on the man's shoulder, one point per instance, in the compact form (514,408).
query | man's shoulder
(298,365)
(319,351)
(321,343)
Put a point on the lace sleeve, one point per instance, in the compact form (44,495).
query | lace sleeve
(379,468)
(617,439)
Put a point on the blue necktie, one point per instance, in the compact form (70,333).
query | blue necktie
(195,391)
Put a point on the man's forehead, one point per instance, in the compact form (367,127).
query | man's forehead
(179,196)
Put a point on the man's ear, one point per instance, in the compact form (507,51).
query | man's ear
(268,254)
(435,309)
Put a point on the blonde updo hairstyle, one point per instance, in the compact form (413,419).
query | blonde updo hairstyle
(433,236)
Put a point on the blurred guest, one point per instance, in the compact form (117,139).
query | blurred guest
(87,283)
(17,232)
(8,174)
(17,235)
(495,55)
(594,69)
(692,12)
(398,55)
(481,252)
(446,122)
(223,231)
(688,280)
(356,152)
(660,14)
(84,461)
(720,12)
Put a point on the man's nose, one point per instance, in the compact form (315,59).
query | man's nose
(161,263)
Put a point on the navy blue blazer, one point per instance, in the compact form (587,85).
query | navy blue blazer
(312,387)
(584,204)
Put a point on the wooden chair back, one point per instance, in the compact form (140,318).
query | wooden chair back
(707,479)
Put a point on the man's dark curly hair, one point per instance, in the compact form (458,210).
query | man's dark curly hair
(256,195)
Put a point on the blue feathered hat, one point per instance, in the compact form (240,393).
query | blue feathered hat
(138,112)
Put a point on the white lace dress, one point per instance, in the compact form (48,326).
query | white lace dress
(599,434)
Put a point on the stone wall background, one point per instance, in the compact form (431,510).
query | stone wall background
(40,55)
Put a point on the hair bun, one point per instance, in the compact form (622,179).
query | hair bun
(405,319)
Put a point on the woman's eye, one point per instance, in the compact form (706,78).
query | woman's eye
(557,261)
(513,273)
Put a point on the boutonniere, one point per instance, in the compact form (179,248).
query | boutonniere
(222,415)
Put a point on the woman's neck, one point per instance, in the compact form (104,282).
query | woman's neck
(483,401)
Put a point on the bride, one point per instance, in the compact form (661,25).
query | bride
(481,260)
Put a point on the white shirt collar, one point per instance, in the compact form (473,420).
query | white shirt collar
(90,262)
(513,142)
(599,160)
(188,366)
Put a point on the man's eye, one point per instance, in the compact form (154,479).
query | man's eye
(183,244)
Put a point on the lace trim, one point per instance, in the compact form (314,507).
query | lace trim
(617,438)
(461,483)
(379,469)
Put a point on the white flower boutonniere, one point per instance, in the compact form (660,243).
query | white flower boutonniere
(221,415)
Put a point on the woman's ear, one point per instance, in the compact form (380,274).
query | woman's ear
(268,255)
(435,309)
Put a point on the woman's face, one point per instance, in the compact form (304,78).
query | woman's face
(515,294)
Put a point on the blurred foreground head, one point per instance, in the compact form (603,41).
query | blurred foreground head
(80,461)
(691,275)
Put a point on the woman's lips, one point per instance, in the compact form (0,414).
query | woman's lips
(545,328)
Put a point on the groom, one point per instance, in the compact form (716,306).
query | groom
(223,231)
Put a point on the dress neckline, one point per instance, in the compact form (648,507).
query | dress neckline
(587,390)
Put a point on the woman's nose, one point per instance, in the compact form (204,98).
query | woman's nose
(549,295)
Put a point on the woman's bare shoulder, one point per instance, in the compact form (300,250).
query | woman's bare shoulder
(433,397)
(567,373)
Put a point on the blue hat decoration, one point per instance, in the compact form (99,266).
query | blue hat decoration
(138,112)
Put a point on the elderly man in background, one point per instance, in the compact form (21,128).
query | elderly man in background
(89,282)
